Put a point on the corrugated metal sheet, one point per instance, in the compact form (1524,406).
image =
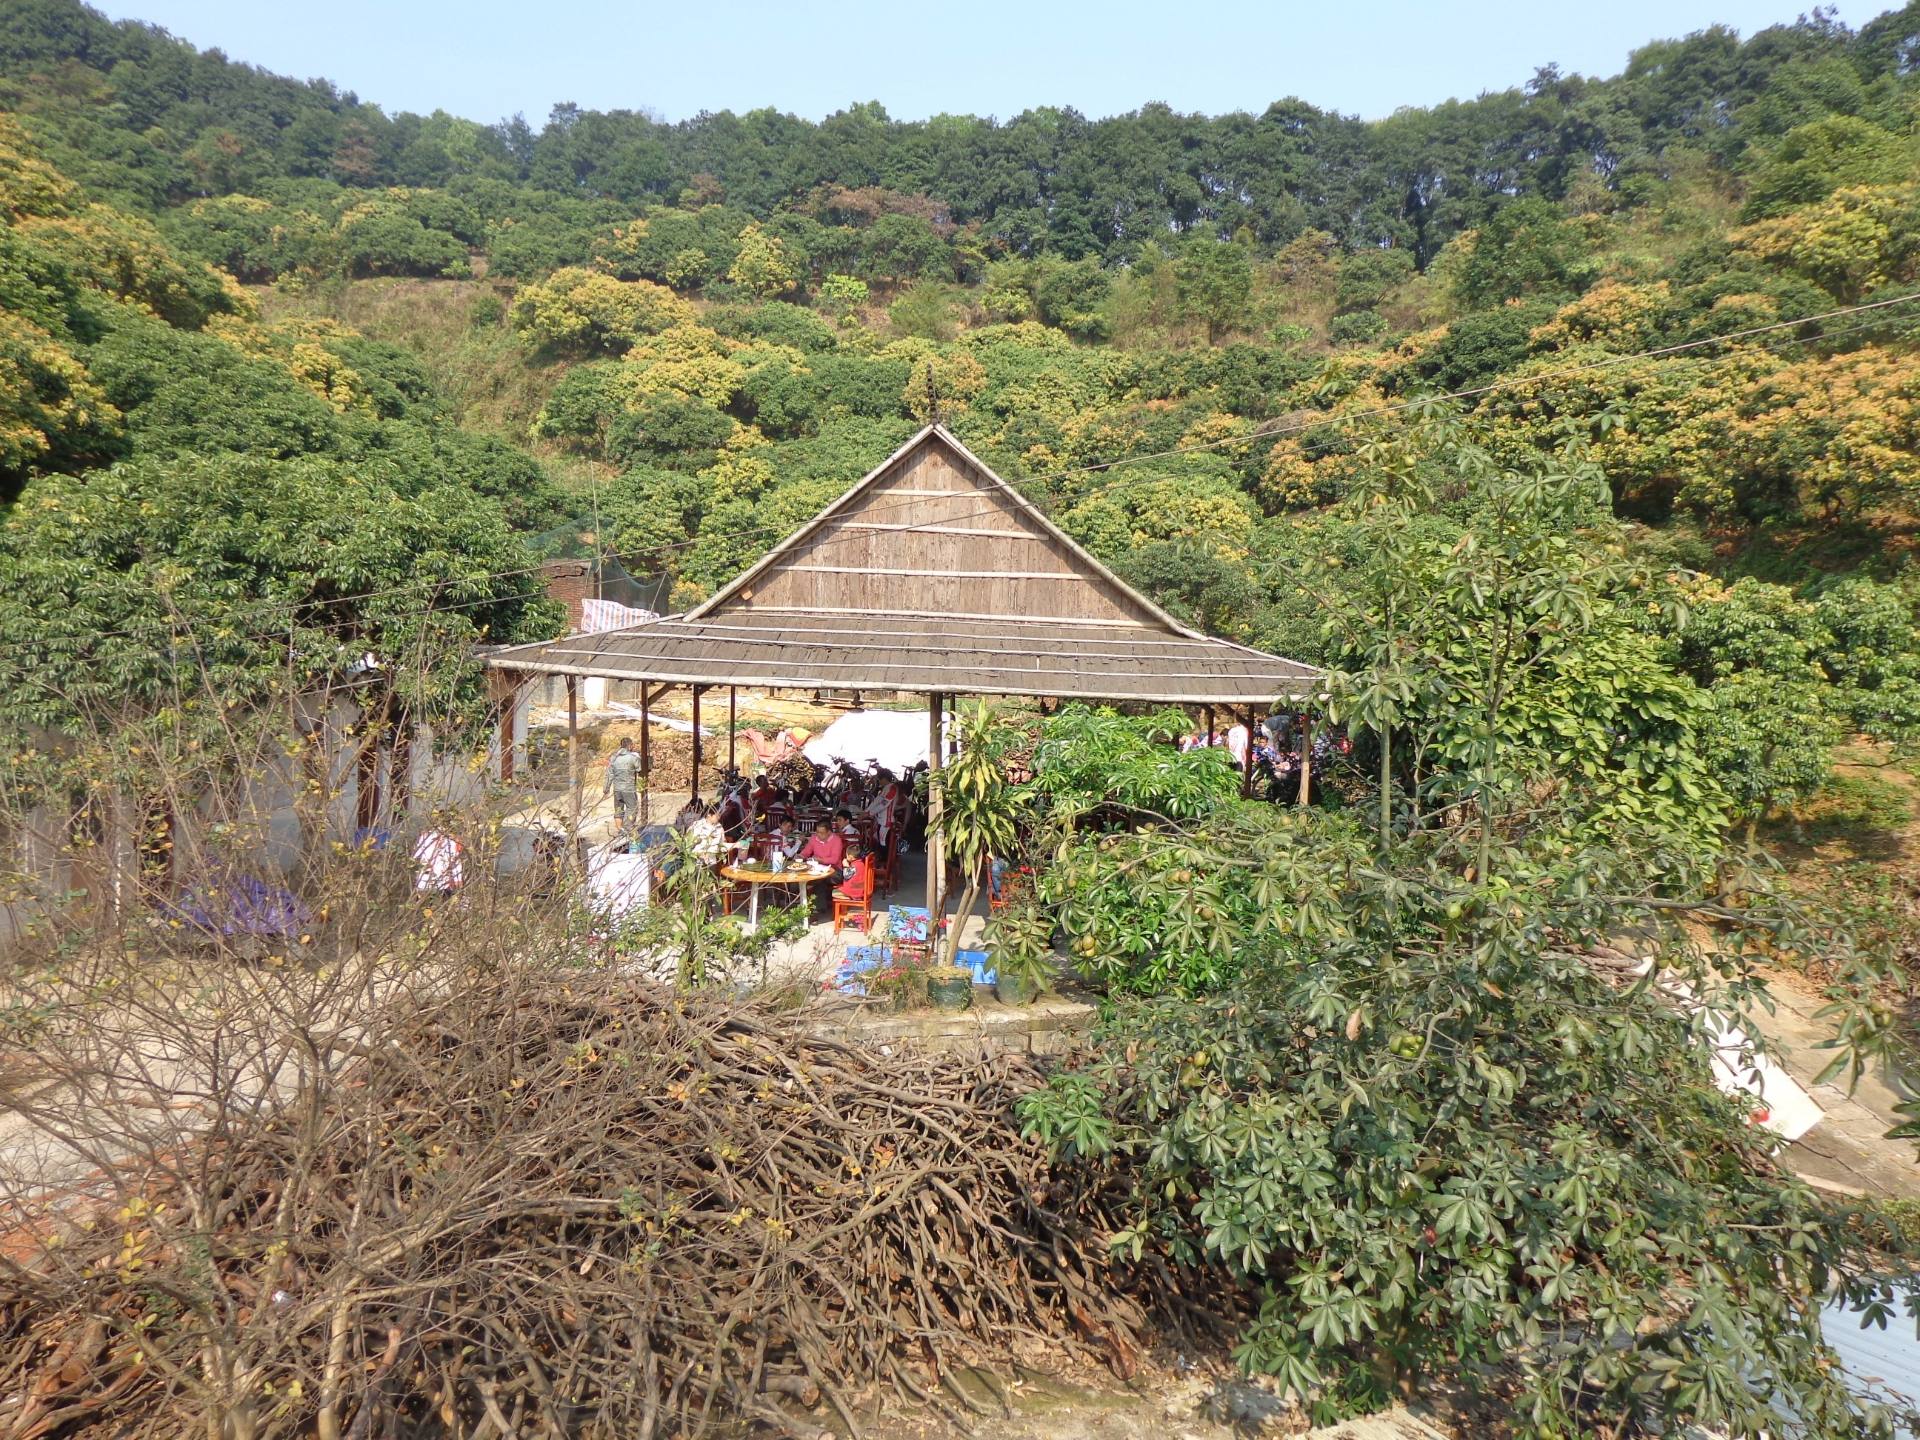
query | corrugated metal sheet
(1888,1359)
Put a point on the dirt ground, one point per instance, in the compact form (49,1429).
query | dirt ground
(671,749)
(1837,843)
(1168,1403)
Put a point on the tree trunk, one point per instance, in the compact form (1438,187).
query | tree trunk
(967,897)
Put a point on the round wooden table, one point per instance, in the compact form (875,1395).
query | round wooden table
(795,874)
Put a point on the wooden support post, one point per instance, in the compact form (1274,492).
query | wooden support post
(646,755)
(936,864)
(733,722)
(366,800)
(693,785)
(1306,756)
(1206,714)
(574,781)
(504,686)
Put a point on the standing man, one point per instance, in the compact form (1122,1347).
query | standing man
(623,783)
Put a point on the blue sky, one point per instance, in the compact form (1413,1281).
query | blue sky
(486,59)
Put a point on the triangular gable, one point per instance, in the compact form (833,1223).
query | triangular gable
(932,531)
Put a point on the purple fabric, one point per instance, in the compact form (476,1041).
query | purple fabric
(245,905)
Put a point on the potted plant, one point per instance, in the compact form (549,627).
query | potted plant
(949,987)
(978,814)
(1022,939)
(903,986)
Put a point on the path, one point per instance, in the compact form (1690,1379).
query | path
(1848,1150)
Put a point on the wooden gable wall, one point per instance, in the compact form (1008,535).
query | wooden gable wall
(930,535)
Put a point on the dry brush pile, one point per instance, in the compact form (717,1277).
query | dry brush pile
(552,1202)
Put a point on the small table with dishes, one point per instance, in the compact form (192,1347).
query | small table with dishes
(753,876)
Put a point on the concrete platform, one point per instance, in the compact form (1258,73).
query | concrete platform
(1051,1025)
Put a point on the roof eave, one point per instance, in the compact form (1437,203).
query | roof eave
(1293,688)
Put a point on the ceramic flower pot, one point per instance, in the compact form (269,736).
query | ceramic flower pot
(1013,989)
(949,990)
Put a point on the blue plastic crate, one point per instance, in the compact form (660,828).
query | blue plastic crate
(860,959)
(976,961)
(910,924)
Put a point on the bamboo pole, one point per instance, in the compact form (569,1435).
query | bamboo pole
(733,723)
(936,865)
(1306,756)
(646,756)
(693,785)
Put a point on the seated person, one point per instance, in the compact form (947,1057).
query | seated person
(708,840)
(783,839)
(826,848)
(858,884)
(844,827)
(764,796)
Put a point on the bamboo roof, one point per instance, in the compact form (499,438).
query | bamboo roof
(929,574)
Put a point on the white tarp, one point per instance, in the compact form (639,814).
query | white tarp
(654,717)
(1788,1110)
(617,882)
(896,739)
(599,615)
(1784,1107)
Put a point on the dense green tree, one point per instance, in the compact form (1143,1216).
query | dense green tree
(184,394)
(1816,159)
(1215,284)
(668,431)
(1525,248)
(172,578)
(387,241)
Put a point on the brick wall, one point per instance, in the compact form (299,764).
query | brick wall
(570,582)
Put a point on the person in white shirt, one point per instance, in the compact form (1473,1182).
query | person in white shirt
(1238,739)
(438,869)
(704,834)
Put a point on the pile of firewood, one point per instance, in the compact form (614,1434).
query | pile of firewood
(562,1204)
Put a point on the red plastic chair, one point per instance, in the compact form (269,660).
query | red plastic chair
(887,864)
(854,896)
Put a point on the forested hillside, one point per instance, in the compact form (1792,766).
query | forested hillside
(1189,335)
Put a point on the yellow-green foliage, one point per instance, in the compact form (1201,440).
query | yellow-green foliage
(585,311)
(49,406)
(28,184)
(1850,243)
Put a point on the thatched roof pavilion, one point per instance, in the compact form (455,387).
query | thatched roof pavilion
(931,575)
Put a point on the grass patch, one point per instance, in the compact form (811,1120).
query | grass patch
(1856,808)
(490,381)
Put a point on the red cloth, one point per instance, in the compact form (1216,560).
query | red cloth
(829,852)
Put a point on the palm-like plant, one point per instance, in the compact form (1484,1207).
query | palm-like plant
(979,808)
